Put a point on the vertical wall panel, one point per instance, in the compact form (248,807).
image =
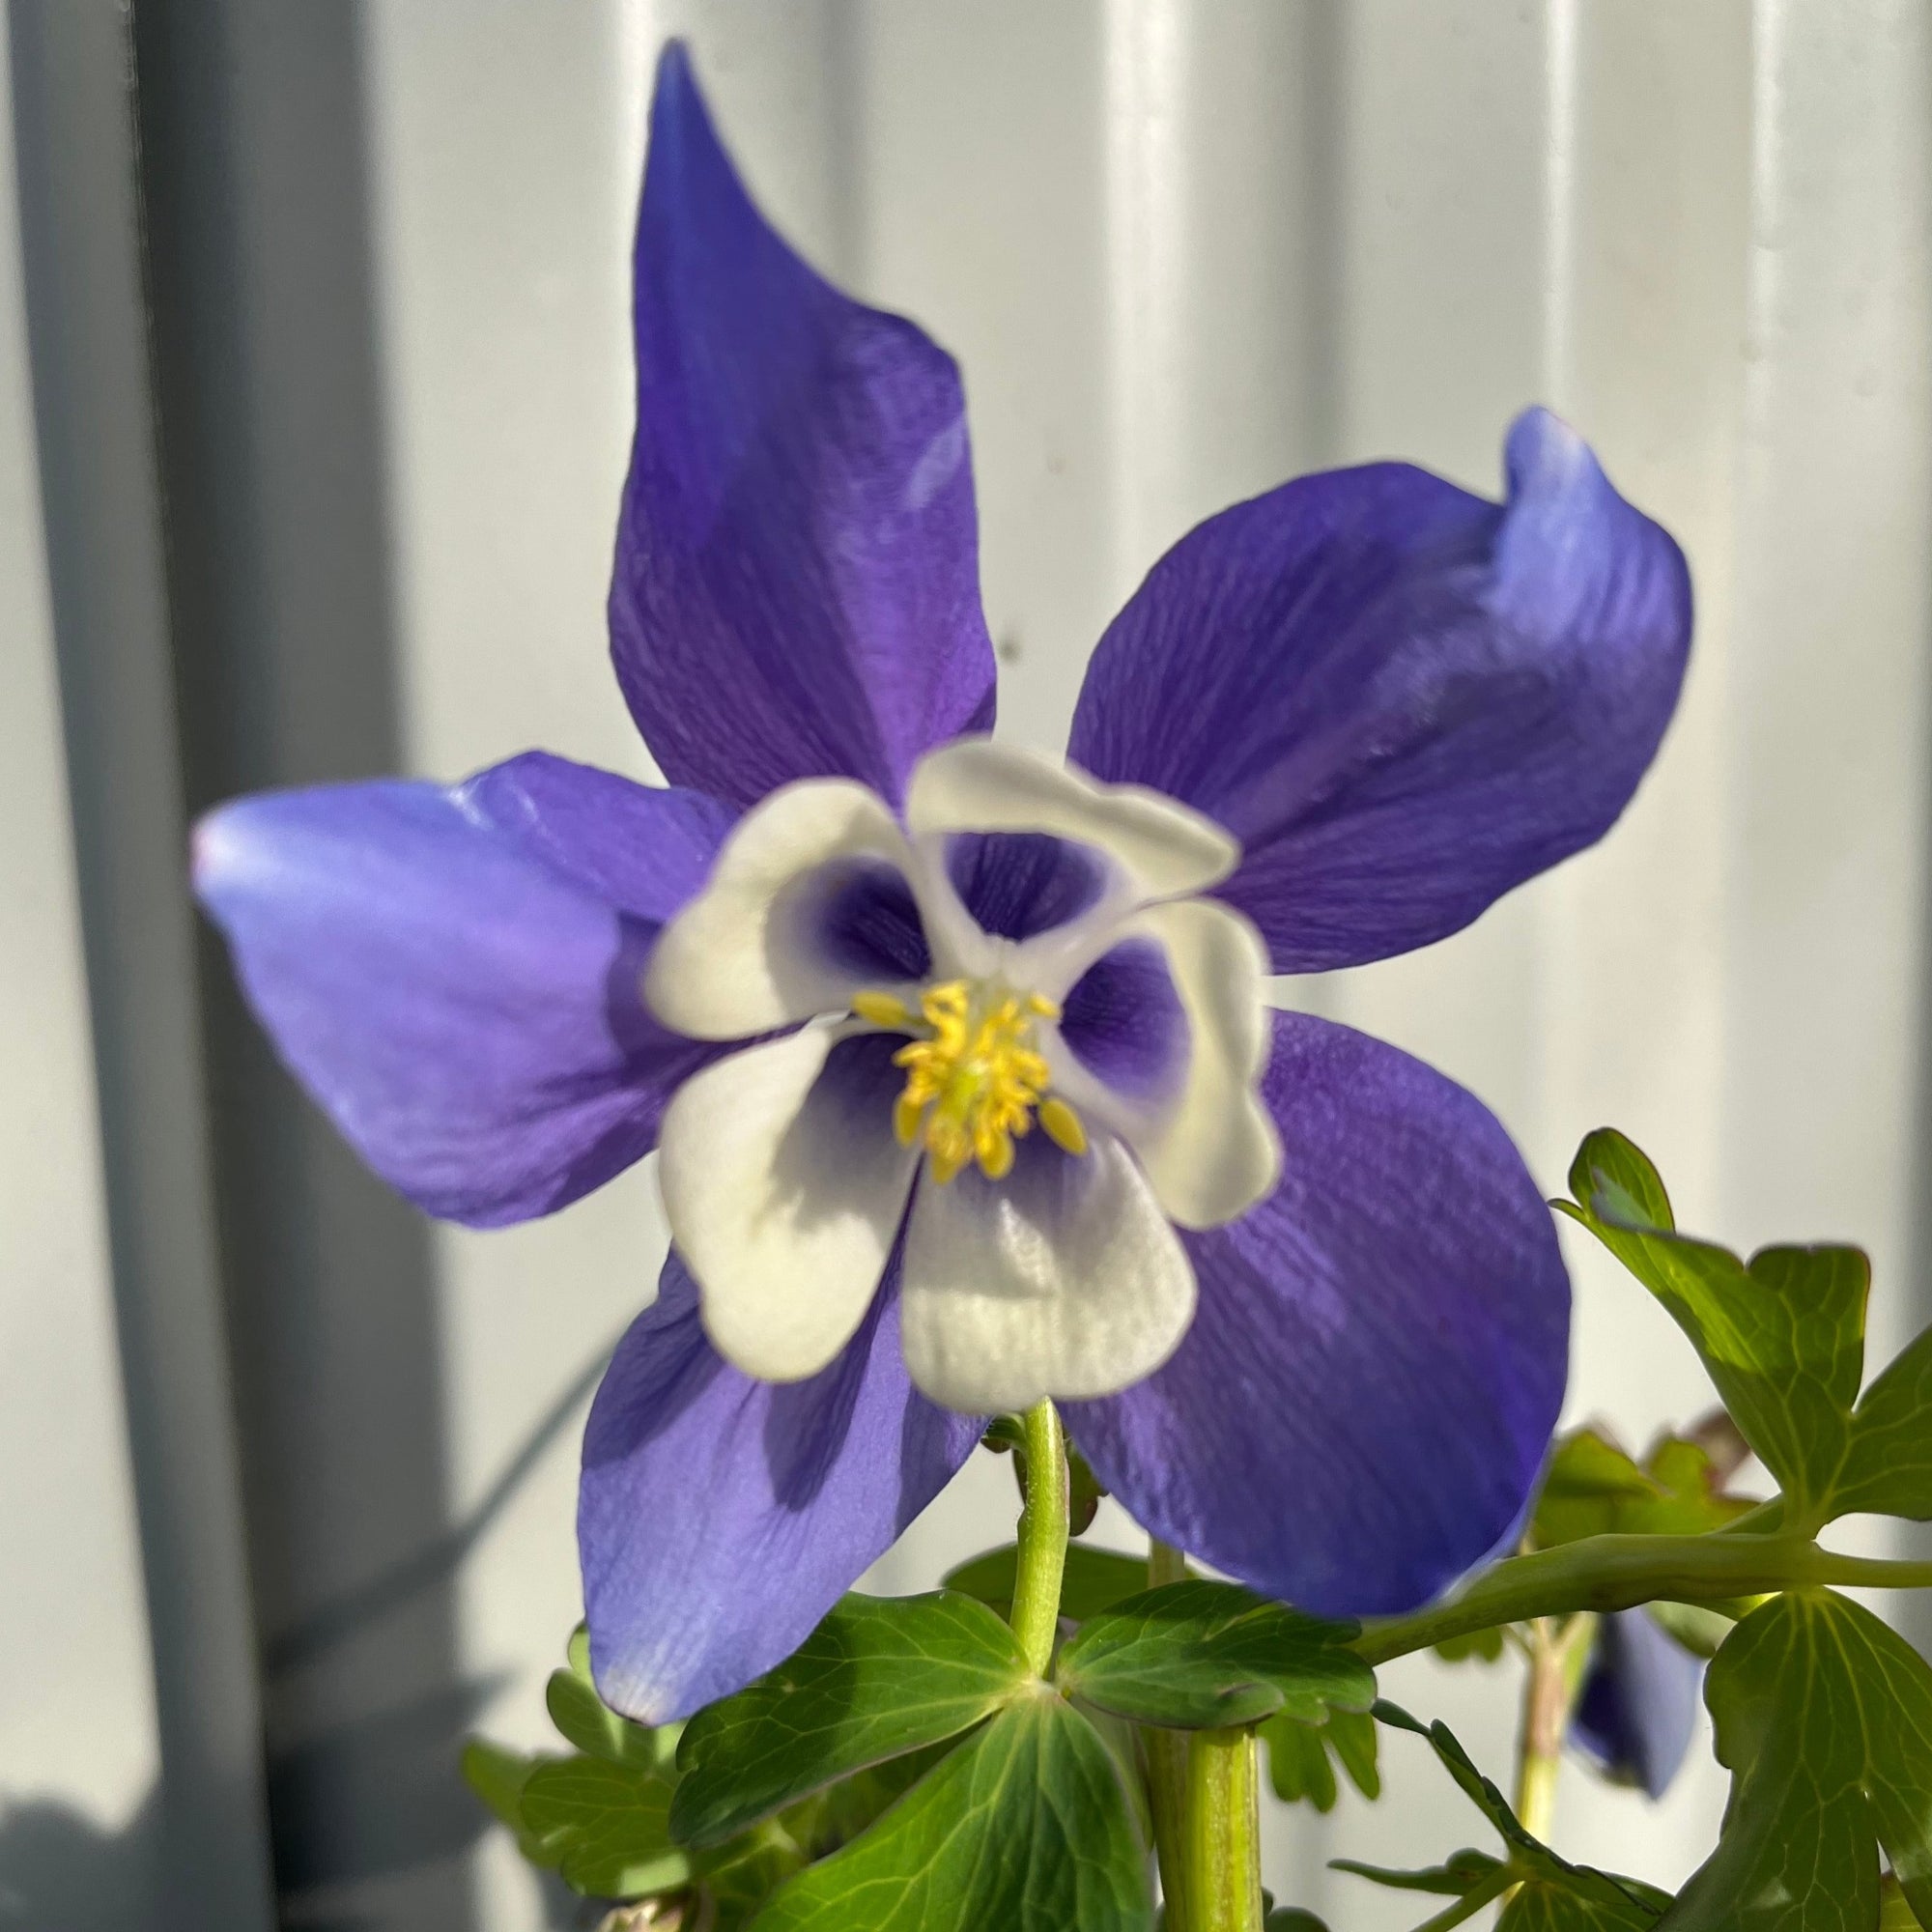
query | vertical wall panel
(1648,203)
(75,146)
(256,163)
(1825,903)
(80,1751)
(985,205)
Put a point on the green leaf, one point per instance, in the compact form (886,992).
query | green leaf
(1551,1894)
(1888,1468)
(1824,1715)
(1095,1579)
(1201,1656)
(1895,1909)
(1483,1646)
(1594,1489)
(1781,1336)
(835,1816)
(1025,1827)
(738,1888)
(1542,1907)
(497,1777)
(1699,1627)
(879,1677)
(605,1826)
(1301,1757)
(1455,1878)
(1292,1918)
(585,1720)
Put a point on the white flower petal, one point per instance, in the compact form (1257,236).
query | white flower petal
(1209,1148)
(975,785)
(1064,1279)
(746,954)
(784,1189)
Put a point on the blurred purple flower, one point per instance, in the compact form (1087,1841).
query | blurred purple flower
(1638,1705)
(1297,1293)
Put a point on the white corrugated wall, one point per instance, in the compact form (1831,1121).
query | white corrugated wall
(1183,248)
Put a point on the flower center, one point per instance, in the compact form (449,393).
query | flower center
(975,1081)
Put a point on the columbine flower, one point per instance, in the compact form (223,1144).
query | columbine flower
(1638,1709)
(965,1080)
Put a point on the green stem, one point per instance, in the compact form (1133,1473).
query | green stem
(1042,1535)
(1618,1573)
(1546,1717)
(1223,1838)
(1167,1772)
(1469,1904)
(1204,1792)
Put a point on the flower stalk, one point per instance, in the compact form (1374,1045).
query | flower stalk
(1167,1772)
(1204,1792)
(1555,1649)
(1619,1573)
(1042,1534)
(1223,1838)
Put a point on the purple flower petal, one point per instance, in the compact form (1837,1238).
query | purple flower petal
(796,589)
(455,976)
(1021,883)
(1361,1408)
(1402,698)
(720,1518)
(1638,1706)
(1123,1021)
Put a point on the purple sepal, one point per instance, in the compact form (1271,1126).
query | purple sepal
(1362,1406)
(720,1518)
(1402,698)
(455,974)
(796,584)
(1637,1710)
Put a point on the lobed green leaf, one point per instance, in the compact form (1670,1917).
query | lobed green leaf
(1888,1468)
(1537,1906)
(583,1719)
(1302,1757)
(1025,1827)
(1550,1893)
(1895,1909)
(605,1826)
(1456,1877)
(1483,1646)
(1781,1336)
(497,1777)
(1202,1655)
(1093,1579)
(1824,1715)
(1593,1488)
(879,1678)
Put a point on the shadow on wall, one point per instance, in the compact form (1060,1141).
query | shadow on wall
(351,1805)
(61,1873)
(370,1801)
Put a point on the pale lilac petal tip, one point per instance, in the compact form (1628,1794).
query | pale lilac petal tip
(455,974)
(1403,699)
(720,1518)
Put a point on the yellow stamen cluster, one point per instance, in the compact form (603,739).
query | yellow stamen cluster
(975,1082)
